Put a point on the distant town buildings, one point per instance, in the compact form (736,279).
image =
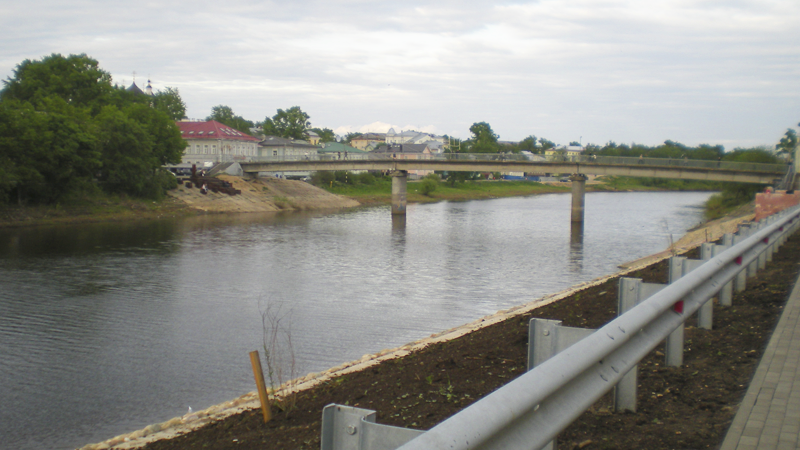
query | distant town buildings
(211,142)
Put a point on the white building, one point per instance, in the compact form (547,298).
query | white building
(211,142)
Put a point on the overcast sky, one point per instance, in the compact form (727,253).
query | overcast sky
(717,72)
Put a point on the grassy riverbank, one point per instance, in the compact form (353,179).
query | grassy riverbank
(367,190)
(381,193)
(101,208)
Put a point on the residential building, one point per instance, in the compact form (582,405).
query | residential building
(337,150)
(210,142)
(313,137)
(569,152)
(274,147)
(368,140)
(412,137)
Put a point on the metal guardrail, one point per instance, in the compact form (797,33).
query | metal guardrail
(503,157)
(531,410)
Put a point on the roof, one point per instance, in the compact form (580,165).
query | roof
(402,148)
(211,129)
(276,141)
(135,89)
(371,137)
(333,147)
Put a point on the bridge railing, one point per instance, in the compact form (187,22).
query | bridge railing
(513,157)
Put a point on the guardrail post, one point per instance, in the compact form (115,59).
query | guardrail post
(762,258)
(546,338)
(705,315)
(771,247)
(631,292)
(351,428)
(740,281)
(747,230)
(726,293)
(673,348)
(625,392)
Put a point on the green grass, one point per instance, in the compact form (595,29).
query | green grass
(657,184)
(381,192)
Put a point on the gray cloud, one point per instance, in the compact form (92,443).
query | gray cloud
(691,71)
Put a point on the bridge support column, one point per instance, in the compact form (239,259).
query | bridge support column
(399,192)
(578,196)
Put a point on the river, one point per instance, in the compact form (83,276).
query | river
(107,328)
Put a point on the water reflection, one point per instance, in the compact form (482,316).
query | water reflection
(146,319)
(399,224)
(576,247)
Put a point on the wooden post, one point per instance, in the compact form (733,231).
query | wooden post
(255,361)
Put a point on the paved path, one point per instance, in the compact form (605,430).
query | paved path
(769,416)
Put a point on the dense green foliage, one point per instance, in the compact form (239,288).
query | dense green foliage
(670,184)
(325,134)
(225,115)
(788,142)
(66,131)
(169,101)
(484,139)
(429,184)
(327,179)
(290,124)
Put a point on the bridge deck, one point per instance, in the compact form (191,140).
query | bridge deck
(619,166)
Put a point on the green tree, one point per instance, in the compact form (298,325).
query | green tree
(325,134)
(76,79)
(484,139)
(289,124)
(169,101)
(429,184)
(546,144)
(528,144)
(63,126)
(788,142)
(45,156)
(348,138)
(224,115)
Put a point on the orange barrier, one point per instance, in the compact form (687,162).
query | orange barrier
(769,203)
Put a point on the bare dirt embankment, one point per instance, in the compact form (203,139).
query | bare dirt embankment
(262,195)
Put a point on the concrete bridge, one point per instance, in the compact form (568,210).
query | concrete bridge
(577,168)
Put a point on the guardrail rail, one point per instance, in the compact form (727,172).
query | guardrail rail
(566,379)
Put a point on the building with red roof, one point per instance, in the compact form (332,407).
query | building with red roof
(213,142)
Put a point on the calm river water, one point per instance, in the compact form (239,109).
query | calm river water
(107,328)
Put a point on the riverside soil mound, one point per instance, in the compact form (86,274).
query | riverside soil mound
(262,195)
(686,407)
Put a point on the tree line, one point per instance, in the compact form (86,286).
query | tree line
(292,123)
(66,131)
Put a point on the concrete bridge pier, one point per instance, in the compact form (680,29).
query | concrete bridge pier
(578,196)
(399,192)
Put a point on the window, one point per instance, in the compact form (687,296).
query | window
(274,153)
(205,149)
